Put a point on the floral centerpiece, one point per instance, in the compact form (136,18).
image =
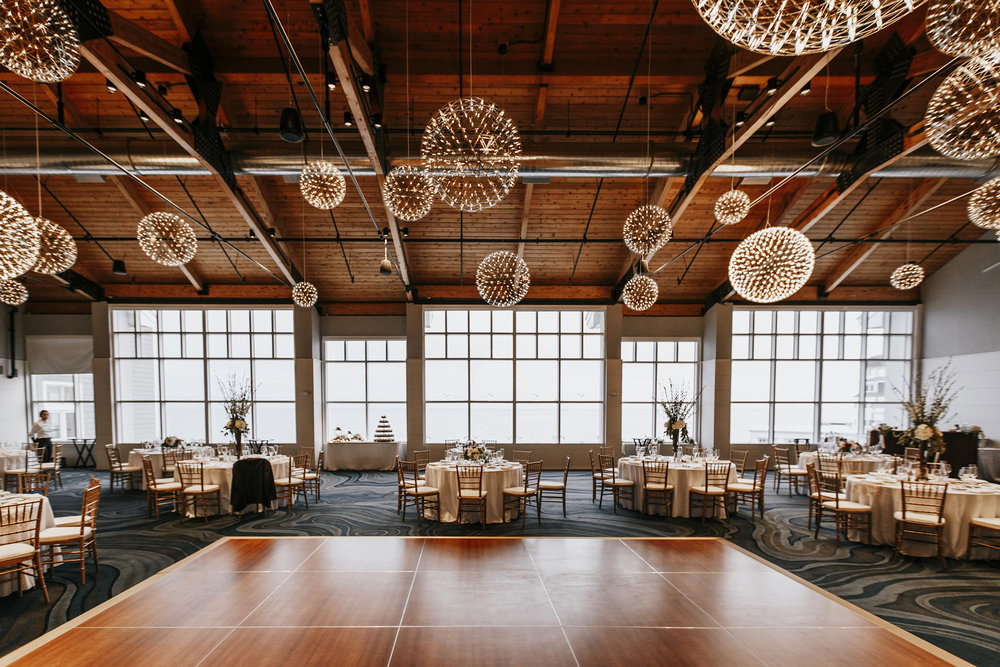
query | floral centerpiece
(236,397)
(170,442)
(928,403)
(677,404)
(474,451)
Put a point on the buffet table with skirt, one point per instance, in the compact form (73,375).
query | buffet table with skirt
(358,455)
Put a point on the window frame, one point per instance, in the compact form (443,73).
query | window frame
(694,428)
(79,405)
(397,429)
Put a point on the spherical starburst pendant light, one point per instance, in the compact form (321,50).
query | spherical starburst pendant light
(907,276)
(409,193)
(794,27)
(57,249)
(964,27)
(304,294)
(963,116)
(167,239)
(502,279)
(771,265)
(13,293)
(322,185)
(472,150)
(640,292)
(38,41)
(647,229)
(19,239)
(732,207)
(984,205)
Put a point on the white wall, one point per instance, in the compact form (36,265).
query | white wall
(13,391)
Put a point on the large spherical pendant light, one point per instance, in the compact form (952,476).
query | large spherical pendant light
(771,265)
(793,27)
(732,207)
(57,249)
(984,205)
(38,41)
(646,229)
(12,292)
(964,27)
(907,276)
(167,239)
(408,193)
(640,292)
(472,150)
(19,239)
(304,294)
(963,116)
(322,185)
(502,279)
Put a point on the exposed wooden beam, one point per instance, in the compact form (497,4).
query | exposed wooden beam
(664,189)
(70,110)
(180,14)
(551,25)
(128,34)
(539,115)
(535,293)
(528,187)
(746,61)
(367,24)
(859,253)
(237,293)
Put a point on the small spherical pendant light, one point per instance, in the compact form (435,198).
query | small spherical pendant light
(963,116)
(964,27)
(19,238)
(57,249)
(907,276)
(167,239)
(502,279)
(984,205)
(409,193)
(771,265)
(13,293)
(732,207)
(647,229)
(38,40)
(322,185)
(640,292)
(304,294)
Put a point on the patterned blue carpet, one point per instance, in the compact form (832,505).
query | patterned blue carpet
(957,609)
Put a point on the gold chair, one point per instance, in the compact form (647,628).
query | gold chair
(470,491)
(738,457)
(609,481)
(311,477)
(291,487)
(422,457)
(847,515)
(783,468)
(31,465)
(606,451)
(170,459)
(555,490)
(911,455)
(75,542)
(54,467)
(715,489)
(519,497)
(816,495)
(20,525)
(754,491)
(922,514)
(34,482)
(522,456)
(595,476)
(414,490)
(159,491)
(402,482)
(990,539)
(801,449)
(121,472)
(654,481)
(195,490)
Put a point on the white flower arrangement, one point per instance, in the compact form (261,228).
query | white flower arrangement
(473,451)
(927,405)
(237,396)
(677,403)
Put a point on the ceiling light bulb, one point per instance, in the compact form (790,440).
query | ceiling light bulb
(732,207)
(140,78)
(167,239)
(640,292)
(409,193)
(56,250)
(112,88)
(304,294)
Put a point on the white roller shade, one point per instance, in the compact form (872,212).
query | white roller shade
(60,354)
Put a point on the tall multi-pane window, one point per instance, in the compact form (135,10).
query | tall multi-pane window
(168,364)
(364,381)
(521,376)
(648,369)
(69,399)
(816,375)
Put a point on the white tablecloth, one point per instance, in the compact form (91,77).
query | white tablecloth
(155,457)
(362,455)
(221,473)
(444,476)
(682,475)
(850,465)
(8,584)
(14,459)
(961,504)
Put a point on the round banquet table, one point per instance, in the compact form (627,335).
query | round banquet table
(221,473)
(443,475)
(155,456)
(682,475)
(13,459)
(851,464)
(963,502)
(8,584)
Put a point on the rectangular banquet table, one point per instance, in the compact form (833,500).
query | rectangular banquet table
(443,475)
(682,475)
(359,455)
(221,473)
(8,583)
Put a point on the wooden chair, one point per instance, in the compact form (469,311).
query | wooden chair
(75,542)
(311,477)
(847,515)
(170,459)
(519,497)
(522,456)
(195,490)
(816,495)
(911,455)
(783,468)
(34,482)
(291,487)
(715,489)
(801,449)
(754,491)
(31,465)
(414,490)
(121,472)
(654,481)
(54,467)
(555,490)
(422,457)
(606,451)
(595,475)
(470,491)
(922,514)
(402,482)
(159,491)
(610,482)
(989,536)
(20,525)
(738,457)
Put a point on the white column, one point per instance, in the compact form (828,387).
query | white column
(104,413)
(613,375)
(308,376)
(414,378)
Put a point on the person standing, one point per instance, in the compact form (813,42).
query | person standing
(41,435)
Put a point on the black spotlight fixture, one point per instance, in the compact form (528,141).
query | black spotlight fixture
(331,81)
(143,116)
(769,122)
(112,88)
(366,83)
(827,129)
(806,89)
(348,119)
(772,85)
(290,126)
(178,117)
(741,119)
(377,120)
(140,78)
(118,267)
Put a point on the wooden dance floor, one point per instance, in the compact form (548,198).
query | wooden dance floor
(454,601)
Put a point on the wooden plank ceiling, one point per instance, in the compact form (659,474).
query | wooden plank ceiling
(573,75)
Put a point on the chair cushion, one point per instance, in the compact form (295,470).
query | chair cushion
(986,522)
(127,469)
(163,480)
(307,475)
(708,490)
(15,552)
(518,491)
(659,487)
(64,521)
(471,493)
(62,534)
(198,488)
(285,481)
(551,486)
(423,491)
(847,506)
(618,482)
(49,466)
(745,488)
(919,517)
(167,487)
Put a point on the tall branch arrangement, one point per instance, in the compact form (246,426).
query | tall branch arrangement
(677,403)
(927,405)
(237,397)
